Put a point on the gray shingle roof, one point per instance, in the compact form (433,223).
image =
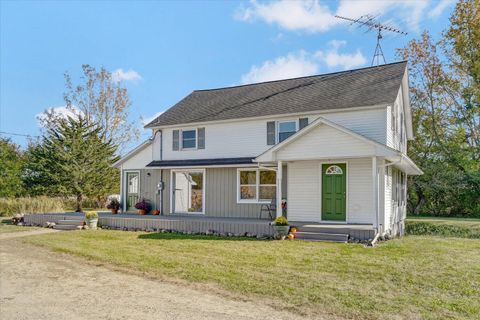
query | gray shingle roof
(340,90)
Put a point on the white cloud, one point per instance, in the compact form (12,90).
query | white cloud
(313,16)
(130,75)
(149,119)
(56,112)
(304,63)
(442,5)
(333,59)
(307,15)
(290,66)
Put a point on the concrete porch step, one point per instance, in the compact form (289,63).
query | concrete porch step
(321,236)
(70,222)
(323,229)
(316,240)
(74,217)
(65,227)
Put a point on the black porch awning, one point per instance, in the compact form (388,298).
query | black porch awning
(201,162)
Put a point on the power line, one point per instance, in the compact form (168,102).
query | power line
(18,134)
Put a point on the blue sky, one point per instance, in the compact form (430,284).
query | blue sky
(164,50)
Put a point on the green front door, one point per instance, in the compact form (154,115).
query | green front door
(132,190)
(334,191)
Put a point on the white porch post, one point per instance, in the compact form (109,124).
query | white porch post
(279,188)
(375,192)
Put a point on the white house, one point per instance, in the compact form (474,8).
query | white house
(332,147)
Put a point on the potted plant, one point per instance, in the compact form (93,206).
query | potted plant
(91,218)
(156,212)
(281,227)
(143,206)
(114,205)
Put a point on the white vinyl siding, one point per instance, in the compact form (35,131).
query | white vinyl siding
(140,159)
(369,123)
(388,198)
(396,131)
(303,197)
(304,191)
(325,142)
(360,192)
(248,138)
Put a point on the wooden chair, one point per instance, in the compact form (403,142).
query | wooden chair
(271,208)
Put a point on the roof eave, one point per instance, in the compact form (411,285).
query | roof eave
(133,152)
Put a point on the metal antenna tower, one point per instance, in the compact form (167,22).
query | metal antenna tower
(370,22)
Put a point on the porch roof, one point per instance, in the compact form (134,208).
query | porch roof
(327,147)
(201,162)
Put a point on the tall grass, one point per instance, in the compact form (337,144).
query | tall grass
(11,206)
(43,204)
(443,228)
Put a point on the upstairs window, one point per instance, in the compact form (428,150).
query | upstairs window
(286,129)
(189,139)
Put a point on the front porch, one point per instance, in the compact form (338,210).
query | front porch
(203,224)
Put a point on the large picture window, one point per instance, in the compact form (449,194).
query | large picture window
(255,185)
(188,191)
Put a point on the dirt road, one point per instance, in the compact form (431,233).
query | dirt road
(38,284)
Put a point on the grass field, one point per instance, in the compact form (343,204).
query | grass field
(446,227)
(410,278)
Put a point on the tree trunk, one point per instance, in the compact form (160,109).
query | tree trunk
(79,203)
(420,203)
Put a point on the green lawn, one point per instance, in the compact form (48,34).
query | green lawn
(6,226)
(410,278)
(447,227)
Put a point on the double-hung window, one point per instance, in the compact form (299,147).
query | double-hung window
(286,129)
(189,139)
(255,185)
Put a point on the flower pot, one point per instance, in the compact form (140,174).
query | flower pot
(280,231)
(142,212)
(156,212)
(92,223)
(114,211)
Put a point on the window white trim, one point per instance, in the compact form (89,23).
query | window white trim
(257,186)
(180,142)
(277,133)
(172,199)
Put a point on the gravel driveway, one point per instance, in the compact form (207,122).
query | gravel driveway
(38,284)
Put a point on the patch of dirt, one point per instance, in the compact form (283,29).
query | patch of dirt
(24,233)
(36,283)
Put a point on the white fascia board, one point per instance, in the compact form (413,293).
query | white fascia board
(275,116)
(133,152)
(269,155)
(405,164)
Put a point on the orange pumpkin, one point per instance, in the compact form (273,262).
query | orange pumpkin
(291,236)
(293,229)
